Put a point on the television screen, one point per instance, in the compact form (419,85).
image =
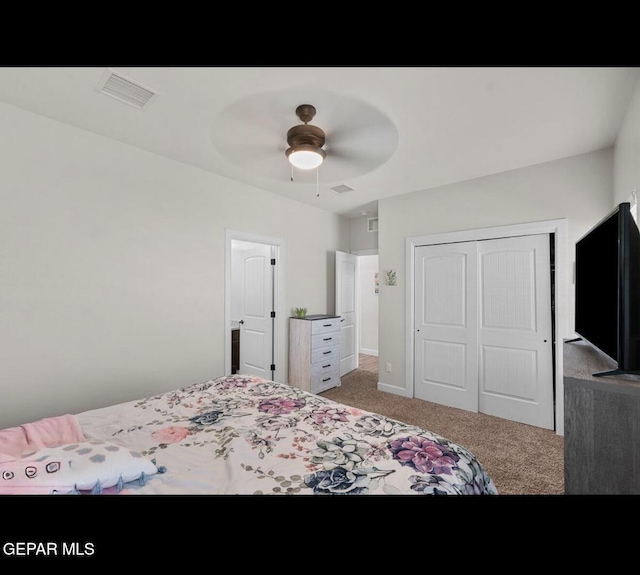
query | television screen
(607,310)
(597,286)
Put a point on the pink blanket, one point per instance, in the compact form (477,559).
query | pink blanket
(29,437)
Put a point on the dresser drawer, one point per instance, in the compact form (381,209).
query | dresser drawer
(325,326)
(327,339)
(324,367)
(325,381)
(325,354)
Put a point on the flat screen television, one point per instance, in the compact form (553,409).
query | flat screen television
(607,284)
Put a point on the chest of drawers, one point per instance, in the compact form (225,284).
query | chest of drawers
(314,352)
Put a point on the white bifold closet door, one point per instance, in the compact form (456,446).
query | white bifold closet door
(483,330)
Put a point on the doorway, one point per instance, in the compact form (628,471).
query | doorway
(357,289)
(253,300)
(369,311)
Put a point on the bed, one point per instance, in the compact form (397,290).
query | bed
(234,435)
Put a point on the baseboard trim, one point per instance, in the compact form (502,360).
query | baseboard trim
(369,352)
(393,389)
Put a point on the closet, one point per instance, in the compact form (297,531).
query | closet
(483,327)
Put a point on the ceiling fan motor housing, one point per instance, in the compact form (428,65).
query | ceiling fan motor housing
(305,136)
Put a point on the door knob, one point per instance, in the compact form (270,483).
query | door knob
(241,322)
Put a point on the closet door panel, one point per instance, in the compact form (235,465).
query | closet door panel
(446,325)
(515,330)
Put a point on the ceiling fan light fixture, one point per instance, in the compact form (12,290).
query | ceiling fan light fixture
(306,141)
(306,157)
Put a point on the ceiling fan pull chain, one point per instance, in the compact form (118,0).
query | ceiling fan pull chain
(292,172)
(317,182)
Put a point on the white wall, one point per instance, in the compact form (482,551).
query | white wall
(361,238)
(368,266)
(112,267)
(627,153)
(579,188)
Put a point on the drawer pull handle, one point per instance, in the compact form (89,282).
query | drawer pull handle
(327,324)
(328,365)
(327,379)
(327,339)
(326,352)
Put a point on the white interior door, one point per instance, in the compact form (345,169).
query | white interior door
(446,334)
(515,334)
(483,330)
(256,305)
(347,309)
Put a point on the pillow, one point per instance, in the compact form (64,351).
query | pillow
(85,466)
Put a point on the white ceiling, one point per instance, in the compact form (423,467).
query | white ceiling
(390,130)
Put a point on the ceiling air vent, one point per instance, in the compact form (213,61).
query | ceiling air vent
(126,90)
(341,189)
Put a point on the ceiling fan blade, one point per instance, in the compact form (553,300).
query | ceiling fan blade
(252,134)
(375,141)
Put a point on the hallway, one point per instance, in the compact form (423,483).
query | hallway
(368,362)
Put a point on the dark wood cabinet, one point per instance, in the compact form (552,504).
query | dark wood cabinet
(235,350)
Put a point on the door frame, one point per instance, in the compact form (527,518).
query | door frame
(559,229)
(279,324)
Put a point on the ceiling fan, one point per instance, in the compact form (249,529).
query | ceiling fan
(305,141)
(256,135)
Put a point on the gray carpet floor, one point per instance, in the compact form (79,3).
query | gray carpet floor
(521,459)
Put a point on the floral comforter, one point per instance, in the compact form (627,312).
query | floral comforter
(247,435)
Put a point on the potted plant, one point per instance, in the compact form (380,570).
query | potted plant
(301,312)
